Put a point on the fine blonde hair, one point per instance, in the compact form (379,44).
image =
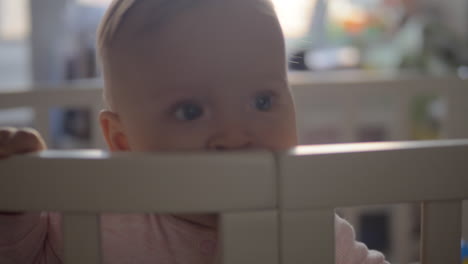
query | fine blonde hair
(124,25)
(128,24)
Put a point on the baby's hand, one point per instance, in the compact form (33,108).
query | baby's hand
(19,141)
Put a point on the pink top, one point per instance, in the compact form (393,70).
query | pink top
(143,239)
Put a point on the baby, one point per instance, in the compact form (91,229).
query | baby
(180,75)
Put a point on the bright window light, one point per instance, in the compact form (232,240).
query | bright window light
(295,16)
(95,2)
(14,19)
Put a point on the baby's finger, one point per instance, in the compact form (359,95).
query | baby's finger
(5,134)
(24,141)
(37,138)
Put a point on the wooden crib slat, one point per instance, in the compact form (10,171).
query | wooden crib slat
(250,237)
(455,125)
(349,122)
(374,173)
(308,237)
(140,183)
(81,239)
(401,226)
(42,123)
(441,232)
(465,220)
(401,129)
(66,96)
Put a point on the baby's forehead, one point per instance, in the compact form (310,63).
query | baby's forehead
(127,17)
(190,46)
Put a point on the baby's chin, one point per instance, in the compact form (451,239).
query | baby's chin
(202,220)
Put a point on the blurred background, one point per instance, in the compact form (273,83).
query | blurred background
(51,41)
(360,70)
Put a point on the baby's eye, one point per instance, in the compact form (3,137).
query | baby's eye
(263,102)
(188,111)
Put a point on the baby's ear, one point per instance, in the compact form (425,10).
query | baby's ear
(113,131)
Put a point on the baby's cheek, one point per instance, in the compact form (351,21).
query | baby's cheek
(279,134)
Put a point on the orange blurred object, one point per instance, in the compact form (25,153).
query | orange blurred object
(356,24)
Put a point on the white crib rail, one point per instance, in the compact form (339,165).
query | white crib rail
(309,93)
(351,93)
(43,99)
(242,187)
(374,173)
(139,183)
(273,210)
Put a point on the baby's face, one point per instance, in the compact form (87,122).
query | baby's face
(213,78)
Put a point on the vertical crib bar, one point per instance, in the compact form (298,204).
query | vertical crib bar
(250,238)
(465,220)
(441,232)
(455,125)
(401,226)
(308,237)
(401,128)
(81,239)
(350,117)
(42,122)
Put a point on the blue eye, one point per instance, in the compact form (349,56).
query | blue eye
(188,112)
(263,102)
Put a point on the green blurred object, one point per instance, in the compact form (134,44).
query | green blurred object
(425,125)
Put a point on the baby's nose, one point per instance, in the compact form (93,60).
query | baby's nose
(230,141)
